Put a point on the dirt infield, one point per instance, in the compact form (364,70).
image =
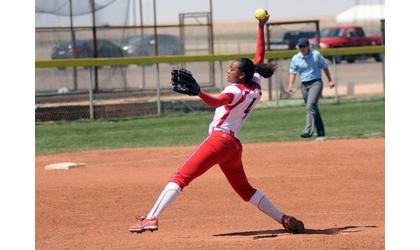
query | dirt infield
(336,187)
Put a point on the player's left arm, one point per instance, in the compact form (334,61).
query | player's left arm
(260,49)
(324,66)
(216,101)
(330,81)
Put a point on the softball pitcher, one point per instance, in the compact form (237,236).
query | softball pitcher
(222,146)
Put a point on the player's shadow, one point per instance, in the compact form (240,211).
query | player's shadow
(276,232)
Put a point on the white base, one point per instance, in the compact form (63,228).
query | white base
(64,165)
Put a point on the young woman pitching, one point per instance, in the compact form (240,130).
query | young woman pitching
(222,146)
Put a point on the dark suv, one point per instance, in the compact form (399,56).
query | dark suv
(84,49)
(290,39)
(136,46)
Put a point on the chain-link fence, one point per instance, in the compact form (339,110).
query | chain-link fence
(136,90)
(363,78)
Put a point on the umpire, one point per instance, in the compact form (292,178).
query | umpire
(308,63)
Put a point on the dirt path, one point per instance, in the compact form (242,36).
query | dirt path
(336,187)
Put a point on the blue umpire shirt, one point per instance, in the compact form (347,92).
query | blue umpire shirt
(309,66)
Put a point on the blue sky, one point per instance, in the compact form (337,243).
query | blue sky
(223,10)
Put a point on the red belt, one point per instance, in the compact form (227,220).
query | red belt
(225,131)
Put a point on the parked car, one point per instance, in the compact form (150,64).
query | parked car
(138,46)
(290,39)
(341,36)
(84,49)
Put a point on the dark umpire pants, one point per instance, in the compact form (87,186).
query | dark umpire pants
(311,91)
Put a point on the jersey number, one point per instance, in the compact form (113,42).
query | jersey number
(246,111)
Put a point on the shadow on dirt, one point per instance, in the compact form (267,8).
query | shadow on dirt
(275,233)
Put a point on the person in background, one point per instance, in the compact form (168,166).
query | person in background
(308,63)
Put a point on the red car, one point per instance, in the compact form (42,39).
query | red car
(341,36)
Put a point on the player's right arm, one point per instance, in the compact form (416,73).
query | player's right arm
(260,49)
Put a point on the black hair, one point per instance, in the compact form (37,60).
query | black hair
(264,69)
(247,66)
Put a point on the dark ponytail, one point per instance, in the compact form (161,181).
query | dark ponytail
(265,70)
(247,66)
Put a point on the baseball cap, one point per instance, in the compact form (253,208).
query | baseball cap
(303,42)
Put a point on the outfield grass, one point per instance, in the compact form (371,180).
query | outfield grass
(347,120)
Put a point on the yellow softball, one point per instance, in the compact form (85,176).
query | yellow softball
(260,14)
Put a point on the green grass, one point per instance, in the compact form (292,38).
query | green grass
(347,120)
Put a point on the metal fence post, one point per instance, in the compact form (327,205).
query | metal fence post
(335,80)
(278,83)
(159,108)
(383,72)
(383,55)
(221,75)
(91,113)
